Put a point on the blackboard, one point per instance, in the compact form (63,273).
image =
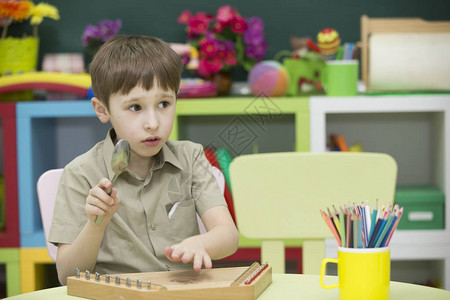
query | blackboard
(282,18)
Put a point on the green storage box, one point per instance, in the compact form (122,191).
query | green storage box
(423,207)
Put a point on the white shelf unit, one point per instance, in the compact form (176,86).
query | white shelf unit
(415,130)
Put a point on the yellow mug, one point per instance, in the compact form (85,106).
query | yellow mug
(364,273)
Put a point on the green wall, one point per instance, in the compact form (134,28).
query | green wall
(282,18)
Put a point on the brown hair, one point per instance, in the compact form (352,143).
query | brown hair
(124,62)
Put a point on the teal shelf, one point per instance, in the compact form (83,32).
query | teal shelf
(36,122)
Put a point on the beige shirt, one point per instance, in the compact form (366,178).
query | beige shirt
(135,239)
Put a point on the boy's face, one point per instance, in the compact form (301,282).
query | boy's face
(143,118)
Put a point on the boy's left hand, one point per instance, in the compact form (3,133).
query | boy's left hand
(190,250)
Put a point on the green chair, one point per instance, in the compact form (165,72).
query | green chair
(278,196)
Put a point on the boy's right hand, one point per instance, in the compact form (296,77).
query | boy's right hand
(99,203)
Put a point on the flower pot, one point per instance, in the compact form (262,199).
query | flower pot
(18,55)
(223,82)
(90,51)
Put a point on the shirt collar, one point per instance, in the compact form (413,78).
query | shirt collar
(165,155)
(168,156)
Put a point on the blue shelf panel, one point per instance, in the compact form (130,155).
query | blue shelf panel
(36,152)
(33,240)
(42,109)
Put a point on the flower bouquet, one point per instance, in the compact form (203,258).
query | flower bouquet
(15,10)
(95,35)
(20,54)
(224,41)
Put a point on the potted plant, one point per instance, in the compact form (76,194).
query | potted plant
(20,54)
(224,41)
(96,35)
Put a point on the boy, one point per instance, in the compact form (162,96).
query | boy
(135,80)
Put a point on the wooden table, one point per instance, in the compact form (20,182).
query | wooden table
(287,286)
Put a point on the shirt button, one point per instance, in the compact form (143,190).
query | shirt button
(154,227)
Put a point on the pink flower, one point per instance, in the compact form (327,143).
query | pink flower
(225,15)
(184,17)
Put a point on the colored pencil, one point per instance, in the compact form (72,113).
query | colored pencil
(382,225)
(331,226)
(383,244)
(342,222)
(324,217)
(400,213)
(333,221)
(395,212)
(360,232)
(368,222)
(349,227)
(385,230)
(374,234)
(336,221)
(354,227)
(374,220)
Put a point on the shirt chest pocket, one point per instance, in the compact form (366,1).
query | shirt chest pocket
(183,219)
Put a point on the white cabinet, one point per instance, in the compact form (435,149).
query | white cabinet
(415,130)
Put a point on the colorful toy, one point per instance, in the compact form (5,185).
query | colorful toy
(268,78)
(196,88)
(305,74)
(328,41)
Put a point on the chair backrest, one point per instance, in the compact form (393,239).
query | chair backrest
(47,187)
(279,195)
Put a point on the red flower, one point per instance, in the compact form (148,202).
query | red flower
(208,47)
(207,67)
(239,25)
(230,58)
(198,24)
(217,27)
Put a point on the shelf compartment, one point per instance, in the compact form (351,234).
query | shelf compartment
(239,134)
(50,134)
(206,121)
(414,129)
(37,270)
(253,112)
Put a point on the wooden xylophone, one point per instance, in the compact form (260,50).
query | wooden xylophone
(237,283)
